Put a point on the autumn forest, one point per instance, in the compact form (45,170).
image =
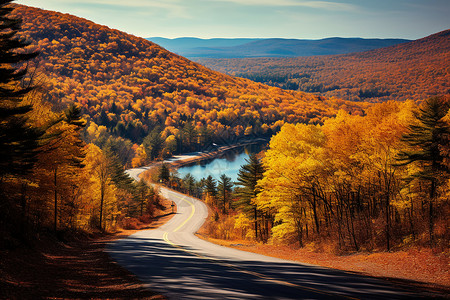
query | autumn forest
(358,158)
(416,70)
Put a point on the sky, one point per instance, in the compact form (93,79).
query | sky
(303,19)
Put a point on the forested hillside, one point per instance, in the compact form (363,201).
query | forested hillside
(133,86)
(50,178)
(79,101)
(415,70)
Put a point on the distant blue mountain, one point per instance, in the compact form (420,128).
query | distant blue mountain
(242,48)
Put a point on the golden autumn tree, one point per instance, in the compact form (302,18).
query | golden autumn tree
(292,164)
(341,182)
(106,207)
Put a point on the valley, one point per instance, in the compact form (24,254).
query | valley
(355,165)
(413,70)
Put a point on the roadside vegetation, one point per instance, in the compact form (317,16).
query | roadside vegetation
(378,182)
(359,185)
(56,177)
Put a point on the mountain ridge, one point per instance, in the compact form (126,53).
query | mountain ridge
(414,70)
(269,47)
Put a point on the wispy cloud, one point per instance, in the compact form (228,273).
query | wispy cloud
(174,8)
(327,5)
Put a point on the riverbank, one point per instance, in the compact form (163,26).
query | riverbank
(189,159)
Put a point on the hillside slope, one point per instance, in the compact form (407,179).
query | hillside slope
(132,85)
(415,70)
(241,48)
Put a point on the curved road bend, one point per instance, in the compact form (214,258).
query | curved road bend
(173,261)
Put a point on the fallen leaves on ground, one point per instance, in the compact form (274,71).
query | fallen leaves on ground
(418,266)
(74,269)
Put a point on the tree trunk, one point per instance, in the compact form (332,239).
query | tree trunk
(55,221)
(316,218)
(351,228)
(430,214)
(388,237)
(24,220)
(102,196)
(256,223)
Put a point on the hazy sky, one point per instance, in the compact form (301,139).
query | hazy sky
(262,18)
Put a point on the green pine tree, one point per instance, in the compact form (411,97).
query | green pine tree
(18,140)
(116,171)
(72,115)
(211,186)
(153,144)
(164,173)
(189,183)
(248,177)
(424,141)
(142,195)
(224,190)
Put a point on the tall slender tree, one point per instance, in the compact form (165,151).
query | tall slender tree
(189,183)
(66,149)
(153,143)
(224,190)
(425,141)
(248,177)
(142,195)
(210,186)
(164,173)
(18,140)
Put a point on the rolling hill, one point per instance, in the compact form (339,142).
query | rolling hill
(415,70)
(242,48)
(133,86)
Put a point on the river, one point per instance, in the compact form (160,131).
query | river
(229,164)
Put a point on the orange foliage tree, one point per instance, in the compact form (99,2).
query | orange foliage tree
(341,183)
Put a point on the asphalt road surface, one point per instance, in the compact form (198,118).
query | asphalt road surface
(173,261)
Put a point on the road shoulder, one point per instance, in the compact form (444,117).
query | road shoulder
(418,268)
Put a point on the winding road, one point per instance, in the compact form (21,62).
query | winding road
(173,261)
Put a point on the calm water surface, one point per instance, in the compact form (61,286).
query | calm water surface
(228,164)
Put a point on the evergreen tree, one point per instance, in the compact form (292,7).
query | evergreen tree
(153,143)
(142,195)
(211,186)
(164,173)
(18,140)
(189,136)
(116,170)
(248,177)
(121,179)
(189,183)
(70,146)
(425,140)
(224,187)
(72,116)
